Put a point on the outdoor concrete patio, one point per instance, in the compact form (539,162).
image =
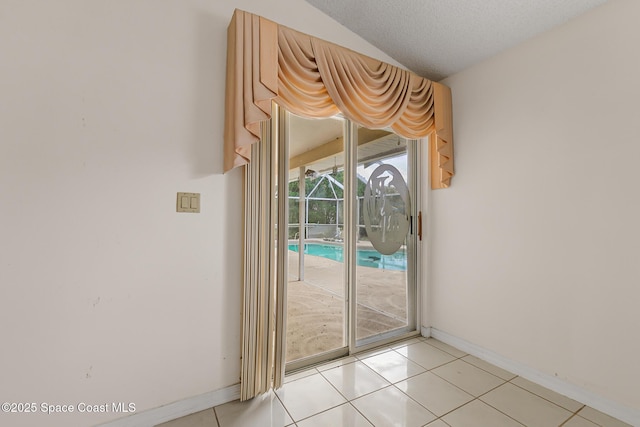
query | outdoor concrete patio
(315,308)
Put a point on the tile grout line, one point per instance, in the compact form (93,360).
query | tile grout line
(482,369)
(363,415)
(429,370)
(480,395)
(328,409)
(350,401)
(458,387)
(419,404)
(364,356)
(542,397)
(284,407)
(505,382)
(300,372)
(475,397)
(509,382)
(575,414)
(390,384)
(426,341)
(216,415)
(318,413)
(428,410)
(335,388)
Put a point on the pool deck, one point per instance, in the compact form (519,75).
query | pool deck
(315,306)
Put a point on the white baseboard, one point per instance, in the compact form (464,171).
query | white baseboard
(572,391)
(425,331)
(178,409)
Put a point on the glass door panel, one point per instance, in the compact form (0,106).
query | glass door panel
(384,270)
(316,292)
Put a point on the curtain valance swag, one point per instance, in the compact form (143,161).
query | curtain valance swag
(314,78)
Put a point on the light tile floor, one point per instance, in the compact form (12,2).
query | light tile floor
(415,383)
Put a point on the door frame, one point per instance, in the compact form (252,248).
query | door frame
(414,246)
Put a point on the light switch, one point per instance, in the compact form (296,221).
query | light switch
(188,202)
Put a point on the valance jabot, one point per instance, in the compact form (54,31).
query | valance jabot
(316,79)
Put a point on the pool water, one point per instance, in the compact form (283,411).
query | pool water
(365,257)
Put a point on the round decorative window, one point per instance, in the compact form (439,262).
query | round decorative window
(387,209)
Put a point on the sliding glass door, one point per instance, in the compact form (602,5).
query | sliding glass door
(352,245)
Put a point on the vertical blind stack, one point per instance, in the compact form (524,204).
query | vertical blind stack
(259,271)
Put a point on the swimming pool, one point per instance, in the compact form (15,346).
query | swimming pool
(365,257)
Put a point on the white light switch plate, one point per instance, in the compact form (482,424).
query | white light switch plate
(188,202)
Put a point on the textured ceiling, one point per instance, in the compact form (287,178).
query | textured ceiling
(437,38)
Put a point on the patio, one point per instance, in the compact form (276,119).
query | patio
(316,305)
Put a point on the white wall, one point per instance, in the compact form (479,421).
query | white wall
(107,109)
(536,246)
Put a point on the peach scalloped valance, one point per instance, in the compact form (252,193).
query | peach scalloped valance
(314,78)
